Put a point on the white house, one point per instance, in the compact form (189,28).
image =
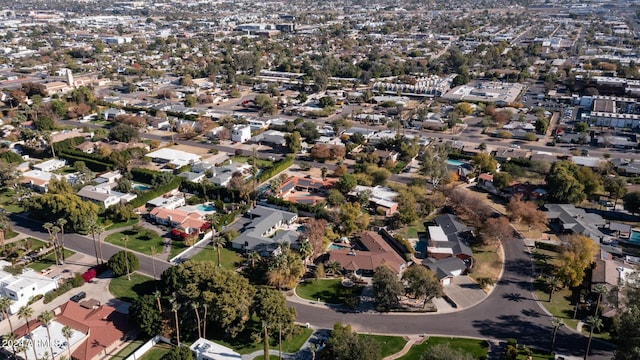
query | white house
(21,288)
(241,133)
(257,124)
(209,350)
(50,165)
(38,180)
(104,195)
(173,156)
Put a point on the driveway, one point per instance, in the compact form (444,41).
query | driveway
(464,292)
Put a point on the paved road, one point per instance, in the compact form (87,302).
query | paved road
(509,312)
(84,244)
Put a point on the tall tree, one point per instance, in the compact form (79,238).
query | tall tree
(594,323)
(616,186)
(61,222)
(97,229)
(577,254)
(45,318)
(627,333)
(600,290)
(219,242)
(631,202)
(67,332)
(563,185)
(285,269)
(26,313)
(496,230)
(422,283)
(387,288)
(5,304)
(345,344)
(557,324)
(175,306)
(434,164)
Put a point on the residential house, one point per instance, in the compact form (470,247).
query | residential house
(370,251)
(209,350)
(266,231)
(189,222)
(102,194)
(23,287)
(384,156)
(168,201)
(446,269)
(485,182)
(448,238)
(112,113)
(381,198)
(110,177)
(241,133)
(258,124)
(176,157)
(626,167)
(38,180)
(50,165)
(304,190)
(567,219)
(272,137)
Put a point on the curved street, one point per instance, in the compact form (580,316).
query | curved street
(510,311)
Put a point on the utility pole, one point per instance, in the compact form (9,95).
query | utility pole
(125,239)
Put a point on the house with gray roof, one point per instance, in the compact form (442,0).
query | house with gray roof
(266,231)
(568,219)
(446,269)
(448,238)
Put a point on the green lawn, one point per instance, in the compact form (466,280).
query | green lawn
(129,349)
(8,202)
(271,357)
(411,232)
(177,247)
(229,258)
(327,290)
(388,344)
(486,263)
(128,291)
(140,241)
(535,355)
(477,348)
(244,345)
(49,260)
(245,159)
(156,352)
(122,224)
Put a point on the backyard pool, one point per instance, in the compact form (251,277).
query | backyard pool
(205,208)
(420,247)
(635,237)
(140,187)
(455,162)
(334,246)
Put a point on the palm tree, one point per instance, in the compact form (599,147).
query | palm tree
(22,347)
(219,242)
(26,313)
(323,171)
(553,284)
(333,267)
(599,289)
(96,228)
(265,339)
(195,305)
(125,240)
(158,296)
(61,223)
(204,322)
(557,324)
(11,338)
(67,331)
(306,249)
(5,305)
(313,347)
(595,323)
(46,318)
(253,256)
(53,238)
(175,306)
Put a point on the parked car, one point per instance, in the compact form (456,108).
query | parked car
(79,296)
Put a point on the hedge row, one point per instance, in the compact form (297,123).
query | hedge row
(94,165)
(143,175)
(275,169)
(212,191)
(155,192)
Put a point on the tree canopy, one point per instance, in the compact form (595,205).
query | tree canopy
(387,288)
(345,344)
(122,261)
(577,254)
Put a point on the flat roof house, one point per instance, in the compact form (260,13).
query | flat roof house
(102,194)
(173,156)
(23,287)
(50,165)
(209,350)
(261,233)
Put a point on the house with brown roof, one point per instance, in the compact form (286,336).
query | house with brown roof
(305,190)
(369,251)
(96,331)
(189,222)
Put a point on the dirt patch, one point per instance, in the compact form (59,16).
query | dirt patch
(190,149)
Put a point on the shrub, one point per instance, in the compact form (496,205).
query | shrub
(119,262)
(34,299)
(77,280)
(51,295)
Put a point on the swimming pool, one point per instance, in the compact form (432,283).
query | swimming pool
(140,187)
(635,237)
(334,246)
(420,247)
(455,162)
(205,207)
